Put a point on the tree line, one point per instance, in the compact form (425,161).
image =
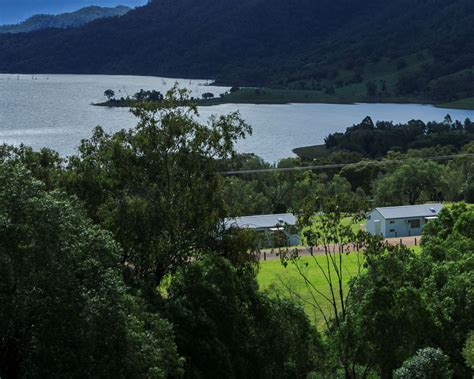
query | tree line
(375,140)
(382,164)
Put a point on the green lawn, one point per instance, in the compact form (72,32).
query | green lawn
(275,278)
(356,226)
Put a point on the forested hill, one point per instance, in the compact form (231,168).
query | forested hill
(64,20)
(404,48)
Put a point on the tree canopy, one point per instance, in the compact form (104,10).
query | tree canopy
(65,310)
(156,187)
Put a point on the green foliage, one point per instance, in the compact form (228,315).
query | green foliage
(448,246)
(245,197)
(376,140)
(387,318)
(468,351)
(156,187)
(327,233)
(65,311)
(427,363)
(404,301)
(286,191)
(45,165)
(315,193)
(363,174)
(410,183)
(221,321)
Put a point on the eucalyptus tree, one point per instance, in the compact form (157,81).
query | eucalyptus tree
(157,187)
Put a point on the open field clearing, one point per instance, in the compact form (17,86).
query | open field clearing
(288,282)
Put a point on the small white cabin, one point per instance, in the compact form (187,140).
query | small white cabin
(403,221)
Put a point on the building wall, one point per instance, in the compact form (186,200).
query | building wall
(402,227)
(371,223)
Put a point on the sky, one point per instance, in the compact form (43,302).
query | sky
(14,11)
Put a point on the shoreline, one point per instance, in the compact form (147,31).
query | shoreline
(201,103)
(286,97)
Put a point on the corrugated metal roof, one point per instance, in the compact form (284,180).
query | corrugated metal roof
(261,221)
(409,211)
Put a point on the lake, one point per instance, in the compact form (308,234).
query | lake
(55,111)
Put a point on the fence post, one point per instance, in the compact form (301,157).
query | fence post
(401,243)
(264,255)
(415,242)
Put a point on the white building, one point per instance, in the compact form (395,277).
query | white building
(275,229)
(401,221)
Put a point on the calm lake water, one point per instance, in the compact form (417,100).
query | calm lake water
(55,111)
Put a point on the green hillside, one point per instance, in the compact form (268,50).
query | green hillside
(344,51)
(64,20)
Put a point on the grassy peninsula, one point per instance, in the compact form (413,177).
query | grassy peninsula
(344,95)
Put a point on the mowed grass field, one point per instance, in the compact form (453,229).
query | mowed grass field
(287,282)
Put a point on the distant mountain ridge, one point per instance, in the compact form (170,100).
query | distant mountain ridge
(348,50)
(64,20)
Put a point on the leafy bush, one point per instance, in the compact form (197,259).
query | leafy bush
(427,363)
